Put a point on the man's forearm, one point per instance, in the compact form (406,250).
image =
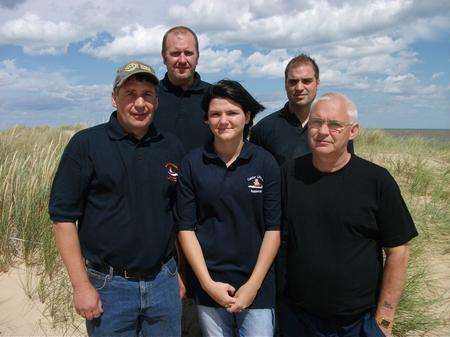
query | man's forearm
(86,300)
(66,237)
(394,277)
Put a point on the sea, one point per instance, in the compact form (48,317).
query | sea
(439,135)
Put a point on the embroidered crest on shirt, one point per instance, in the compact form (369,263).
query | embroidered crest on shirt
(255,184)
(172,172)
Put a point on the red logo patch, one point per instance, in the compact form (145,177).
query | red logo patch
(172,172)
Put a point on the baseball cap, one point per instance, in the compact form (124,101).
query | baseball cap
(132,68)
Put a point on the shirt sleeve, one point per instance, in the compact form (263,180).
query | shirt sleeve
(67,196)
(394,221)
(185,206)
(272,194)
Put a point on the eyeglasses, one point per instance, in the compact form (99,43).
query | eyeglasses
(333,125)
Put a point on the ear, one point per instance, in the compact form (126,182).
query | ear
(163,57)
(318,83)
(354,131)
(113,100)
(247,117)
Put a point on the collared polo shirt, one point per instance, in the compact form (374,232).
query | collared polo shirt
(180,112)
(281,133)
(230,209)
(119,190)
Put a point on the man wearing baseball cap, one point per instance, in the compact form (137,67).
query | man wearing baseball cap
(111,208)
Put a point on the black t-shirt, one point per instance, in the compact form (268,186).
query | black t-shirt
(336,225)
(230,209)
(120,191)
(180,112)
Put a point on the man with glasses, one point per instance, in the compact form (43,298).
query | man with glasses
(339,213)
(284,134)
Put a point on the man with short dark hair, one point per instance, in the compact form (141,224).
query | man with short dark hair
(284,132)
(111,207)
(181,90)
(339,212)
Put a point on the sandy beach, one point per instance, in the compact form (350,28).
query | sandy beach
(22,315)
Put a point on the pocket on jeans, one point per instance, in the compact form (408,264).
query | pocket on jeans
(170,267)
(98,279)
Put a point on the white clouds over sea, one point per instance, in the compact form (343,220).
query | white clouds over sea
(368,48)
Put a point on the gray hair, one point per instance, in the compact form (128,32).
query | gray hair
(351,110)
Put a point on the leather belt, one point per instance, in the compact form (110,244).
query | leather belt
(130,274)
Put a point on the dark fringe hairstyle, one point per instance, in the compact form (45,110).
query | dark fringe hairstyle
(234,91)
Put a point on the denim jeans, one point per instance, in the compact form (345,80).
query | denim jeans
(216,322)
(149,307)
(304,324)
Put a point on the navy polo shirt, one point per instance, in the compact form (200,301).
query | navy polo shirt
(281,133)
(120,191)
(180,112)
(230,209)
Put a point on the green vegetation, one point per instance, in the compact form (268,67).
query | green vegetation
(29,157)
(422,170)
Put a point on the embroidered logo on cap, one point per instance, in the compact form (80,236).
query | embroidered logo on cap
(255,184)
(172,172)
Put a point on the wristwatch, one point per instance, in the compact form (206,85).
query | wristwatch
(383,322)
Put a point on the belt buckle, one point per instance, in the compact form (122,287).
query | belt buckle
(125,274)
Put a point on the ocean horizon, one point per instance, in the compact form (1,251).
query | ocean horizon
(441,135)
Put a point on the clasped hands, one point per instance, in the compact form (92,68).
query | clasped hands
(232,300)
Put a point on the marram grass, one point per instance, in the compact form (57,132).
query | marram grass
(29,157)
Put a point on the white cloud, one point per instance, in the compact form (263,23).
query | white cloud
(366,46)
(10,4)
(214,61)
(435,76)
(132,40)
(49,27)
(38,36)
(47,95)
(271,64)
(210,15)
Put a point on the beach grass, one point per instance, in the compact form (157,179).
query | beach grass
(29,158)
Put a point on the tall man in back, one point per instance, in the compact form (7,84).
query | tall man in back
(180,111)
(181,90)
(340,211)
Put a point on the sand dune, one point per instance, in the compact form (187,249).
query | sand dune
(21,315)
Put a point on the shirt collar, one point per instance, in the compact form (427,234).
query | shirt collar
(116,131)
(197,85)
(210,154)
(292,117)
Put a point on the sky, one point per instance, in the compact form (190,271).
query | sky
(392,58)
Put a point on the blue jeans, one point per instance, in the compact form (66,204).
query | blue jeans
(150,307)
(295,324)
(216,322)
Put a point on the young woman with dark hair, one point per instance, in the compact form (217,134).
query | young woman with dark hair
(228,219)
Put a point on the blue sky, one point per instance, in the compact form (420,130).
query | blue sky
(392,58)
